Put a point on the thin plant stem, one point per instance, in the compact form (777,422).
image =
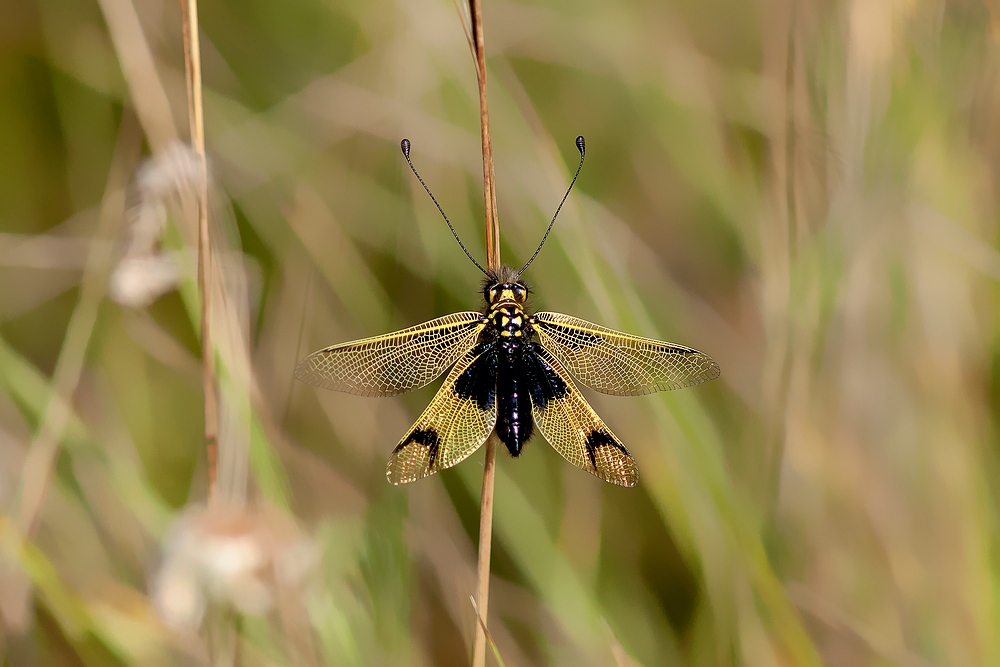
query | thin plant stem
(196,121)
(485,544)
(489,180)
(146,91)
(489,637)
(43,452)
(492,264)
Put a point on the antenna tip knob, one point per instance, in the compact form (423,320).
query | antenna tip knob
(405,145)
(581,145)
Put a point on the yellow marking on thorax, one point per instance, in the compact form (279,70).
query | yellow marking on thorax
(509,308)
(508,317)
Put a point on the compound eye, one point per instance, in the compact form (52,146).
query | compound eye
(494,293)
(518,292)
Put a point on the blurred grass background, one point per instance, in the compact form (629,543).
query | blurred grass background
(804,190)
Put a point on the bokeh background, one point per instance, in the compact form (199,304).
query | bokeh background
(804,190)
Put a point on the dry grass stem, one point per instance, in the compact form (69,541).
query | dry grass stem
(486,631)
(192,67)
(44,449)
(146,90)
(489,179)
(485,545)
(492,263)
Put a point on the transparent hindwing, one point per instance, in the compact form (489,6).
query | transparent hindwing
(572,427)
(454,425)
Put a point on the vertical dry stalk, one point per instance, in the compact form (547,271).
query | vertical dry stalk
(489,180)
(485,544)
(43,452)
(192,70)
(492,263)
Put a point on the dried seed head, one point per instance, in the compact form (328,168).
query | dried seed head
(240,559)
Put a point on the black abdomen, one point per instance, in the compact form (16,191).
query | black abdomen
(514,424)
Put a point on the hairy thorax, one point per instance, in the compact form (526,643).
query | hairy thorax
(509,321)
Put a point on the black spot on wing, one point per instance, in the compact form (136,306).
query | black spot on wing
(598,439)
(544,382)
(479,381)
(426,437)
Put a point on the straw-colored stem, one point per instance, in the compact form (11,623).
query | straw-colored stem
(485,544)
(489,180)
(192,67)
(36,475)
(492,263)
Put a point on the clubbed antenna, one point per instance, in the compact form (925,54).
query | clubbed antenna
(405,145)
(581,145)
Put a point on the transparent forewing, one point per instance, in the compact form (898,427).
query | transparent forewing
(393,363)
(613,362)
(455,424)
(572,427)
